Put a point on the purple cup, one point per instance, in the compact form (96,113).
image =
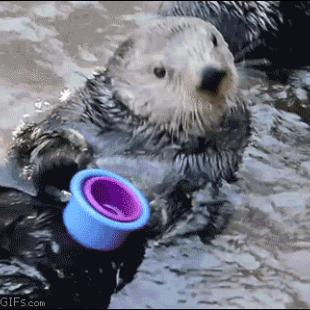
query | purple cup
(112,199)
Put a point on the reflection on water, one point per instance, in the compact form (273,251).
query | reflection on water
(263,257)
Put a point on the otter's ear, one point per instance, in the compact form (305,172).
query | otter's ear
(123,49)
(120,54)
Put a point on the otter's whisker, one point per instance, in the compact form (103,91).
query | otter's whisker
(254,62)
(198,117)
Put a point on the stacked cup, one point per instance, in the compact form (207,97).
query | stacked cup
(104,208)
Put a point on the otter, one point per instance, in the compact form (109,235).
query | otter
(168,101)
(269,31)
(166,113)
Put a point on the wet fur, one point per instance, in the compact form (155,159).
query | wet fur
(39,261)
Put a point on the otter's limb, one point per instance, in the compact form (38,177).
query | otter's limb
(50,152)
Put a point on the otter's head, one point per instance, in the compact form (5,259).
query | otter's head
(177,72)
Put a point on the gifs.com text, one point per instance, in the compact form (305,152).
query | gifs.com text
(17,302)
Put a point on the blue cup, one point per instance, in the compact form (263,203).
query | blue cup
(104,208)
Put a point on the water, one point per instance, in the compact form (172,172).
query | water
(263,257)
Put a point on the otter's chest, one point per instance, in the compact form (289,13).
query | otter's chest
(147,172)
(147,166)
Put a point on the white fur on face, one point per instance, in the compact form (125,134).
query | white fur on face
(183,47)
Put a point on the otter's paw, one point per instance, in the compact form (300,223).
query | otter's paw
(205,221)
(166,212)
(56,159)
(217,213)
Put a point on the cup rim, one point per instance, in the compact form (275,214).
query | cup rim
(77,185)
(120,217)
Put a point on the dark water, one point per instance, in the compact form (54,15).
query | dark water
(263,257)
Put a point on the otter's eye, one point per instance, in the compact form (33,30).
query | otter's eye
(214,40)
(160,72)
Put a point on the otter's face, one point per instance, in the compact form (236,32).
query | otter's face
(177,72)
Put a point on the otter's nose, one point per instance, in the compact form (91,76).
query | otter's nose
(211,78)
